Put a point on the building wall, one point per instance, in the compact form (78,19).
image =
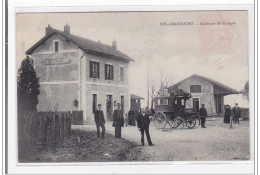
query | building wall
(53,72)
(60,96)
(205,97)
(64,81)
(59,81)
(102,92)
(103,87)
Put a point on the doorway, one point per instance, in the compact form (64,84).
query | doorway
(94,103)
(109,107)
(196,104)
(123,104)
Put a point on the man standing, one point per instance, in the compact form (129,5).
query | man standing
(100,121)
(143,122)
(236,113)
(118,121)
(203,114)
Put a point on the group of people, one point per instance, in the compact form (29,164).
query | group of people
(235,112)
(143,122)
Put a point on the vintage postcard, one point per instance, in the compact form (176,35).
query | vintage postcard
(133,87)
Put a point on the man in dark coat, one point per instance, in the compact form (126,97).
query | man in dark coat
(131,117)
(118,121)
(100,121)
(203,114)
(143,122)
(236,113)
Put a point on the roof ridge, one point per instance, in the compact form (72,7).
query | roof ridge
(84,43)
(207,79)
(217,82)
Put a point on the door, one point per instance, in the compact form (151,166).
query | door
(123,104)
(196,104)
(94,103)
(109,107)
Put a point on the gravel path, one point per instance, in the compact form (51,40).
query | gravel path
(216,142)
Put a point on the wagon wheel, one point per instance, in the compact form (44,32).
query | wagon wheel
(159,120)
(179,122)
(190,122)
(171,123)
(197,122)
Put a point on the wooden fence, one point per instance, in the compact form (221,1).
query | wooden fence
(77,117)
(48,128)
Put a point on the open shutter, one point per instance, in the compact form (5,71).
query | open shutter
(90,69)
(112,72)
(98,70)
(105,72)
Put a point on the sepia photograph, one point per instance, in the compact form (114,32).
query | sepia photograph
(133,86)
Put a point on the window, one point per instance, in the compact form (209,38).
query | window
(93,69)
(163,101)
(195,89)
(122,74)
(56,46)
(109,72)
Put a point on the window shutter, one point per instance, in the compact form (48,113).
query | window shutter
(105,71)
(90,69)
(112,73)
(98,70)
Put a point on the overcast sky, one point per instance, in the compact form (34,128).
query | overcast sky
(219,52)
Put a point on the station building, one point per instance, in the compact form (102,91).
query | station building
(204,91)
(76,74)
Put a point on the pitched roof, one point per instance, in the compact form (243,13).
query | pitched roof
(90,46)
(219,88)
(136,97)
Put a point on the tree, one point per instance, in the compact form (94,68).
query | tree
(28,84)
(245,91)
(164,84)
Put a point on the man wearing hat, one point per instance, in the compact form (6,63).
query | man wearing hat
(143,122)
(100,121)
(236,113)
(203,114)
(118,120)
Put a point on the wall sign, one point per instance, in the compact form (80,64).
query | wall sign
(56,59)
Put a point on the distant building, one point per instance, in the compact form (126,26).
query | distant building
(77,74)
(136,102)
(204,91)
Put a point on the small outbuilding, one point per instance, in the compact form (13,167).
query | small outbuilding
(136,101)
(204,91)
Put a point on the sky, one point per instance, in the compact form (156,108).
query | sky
(174,52)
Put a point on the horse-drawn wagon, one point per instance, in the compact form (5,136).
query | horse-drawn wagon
(171,109)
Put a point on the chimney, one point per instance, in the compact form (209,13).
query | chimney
(67,29)
(114,45)
(48,29)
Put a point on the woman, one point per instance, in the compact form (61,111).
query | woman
(227,114)
(131,117)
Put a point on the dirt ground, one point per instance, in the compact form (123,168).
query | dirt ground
(215,143)
(84,146)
